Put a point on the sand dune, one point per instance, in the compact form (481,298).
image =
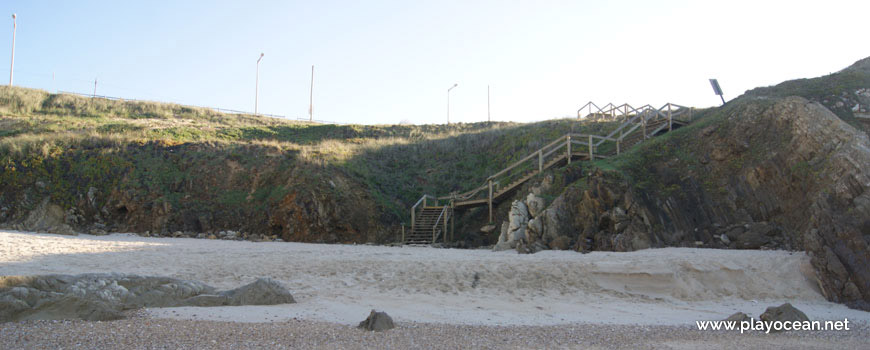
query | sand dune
(341,283)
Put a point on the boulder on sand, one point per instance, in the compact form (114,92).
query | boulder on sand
(100,297)
(738,317)
(784,312)
(377,321)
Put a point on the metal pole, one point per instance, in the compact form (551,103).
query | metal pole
(12,65)
(311,97)
(448,102)
(257,88)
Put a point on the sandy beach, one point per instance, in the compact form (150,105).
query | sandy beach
(655,293)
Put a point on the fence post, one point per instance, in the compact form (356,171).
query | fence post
(569,148)
(670,120)
(489,200)
(591,153)
(643,124)
(540,160)
(617,145)
(446,217)
(403,234)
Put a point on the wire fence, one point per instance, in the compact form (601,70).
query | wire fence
(216,109)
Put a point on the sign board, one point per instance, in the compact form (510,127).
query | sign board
(717,89)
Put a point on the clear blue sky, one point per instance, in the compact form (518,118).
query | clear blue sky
(382,62)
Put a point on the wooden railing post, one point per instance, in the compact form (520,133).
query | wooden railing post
(446,217)
(643,125)
(670,119)
(617,145)
(489,200)
(452,222)
(424,202)
(591,153)
(569,148)
(540,160)
(403,233)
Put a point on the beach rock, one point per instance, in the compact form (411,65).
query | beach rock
(502,246)
(784,312)
(105,296)
(377,321)
(561,243)
(738,317)
(264,291)
(534,229)
(519,216)
(503,236)
(535,204)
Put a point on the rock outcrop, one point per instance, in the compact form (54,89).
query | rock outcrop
(783,313)
(377,321)
(96,297)
(760,174)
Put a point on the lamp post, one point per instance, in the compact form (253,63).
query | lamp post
(448,102)
(12,65)
(257,89)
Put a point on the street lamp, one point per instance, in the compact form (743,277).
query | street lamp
(12,65)
(257,89)
(448,102)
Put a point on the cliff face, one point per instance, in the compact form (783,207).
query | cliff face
(198,190)
(764,174)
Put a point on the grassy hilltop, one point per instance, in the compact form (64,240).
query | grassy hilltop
(155,154)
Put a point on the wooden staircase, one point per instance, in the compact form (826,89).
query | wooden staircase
(429,225)
(638,125)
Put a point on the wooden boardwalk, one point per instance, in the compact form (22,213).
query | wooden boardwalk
(431,216)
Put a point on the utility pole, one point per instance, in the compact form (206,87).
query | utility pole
(12,65)
(488,117)
(311,97)
(448,102)
(257,89)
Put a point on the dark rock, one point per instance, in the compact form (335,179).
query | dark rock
(561,243)
(738,317)
(264,291)
(377,321)
(106,296)
(784,312)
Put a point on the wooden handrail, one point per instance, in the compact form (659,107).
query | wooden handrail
(635,118)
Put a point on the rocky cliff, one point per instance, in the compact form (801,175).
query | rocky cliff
(191,190)
(762,173)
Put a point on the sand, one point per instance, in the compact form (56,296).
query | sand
(439,298)
(341,283)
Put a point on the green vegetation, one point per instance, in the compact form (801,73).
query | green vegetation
(72,143)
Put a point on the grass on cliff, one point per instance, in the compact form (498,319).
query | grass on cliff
(72,142)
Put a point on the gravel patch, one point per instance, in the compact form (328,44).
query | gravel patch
(141,332)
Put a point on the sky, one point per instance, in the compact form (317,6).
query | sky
(388,62)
